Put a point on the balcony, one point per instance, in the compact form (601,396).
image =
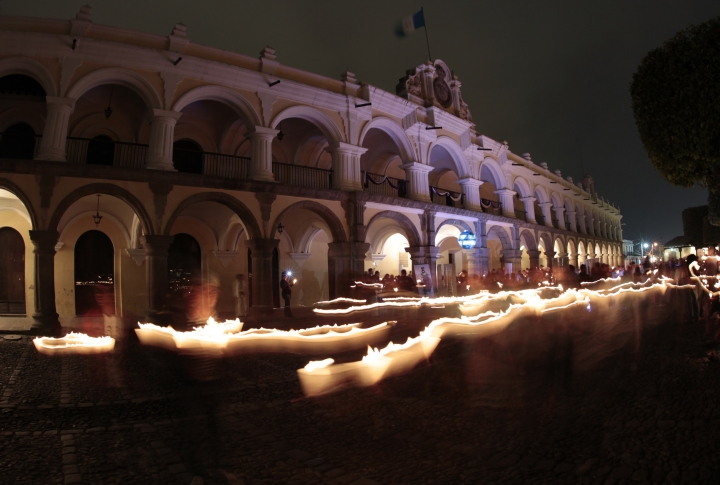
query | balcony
(374,183)
(521,215)
(493,207)
(299,176)
(104,151)
(446,197)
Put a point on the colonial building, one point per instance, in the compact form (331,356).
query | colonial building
(140,161)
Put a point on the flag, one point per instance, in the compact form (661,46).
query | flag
(412,22)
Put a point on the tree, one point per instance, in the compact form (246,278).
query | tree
(676,103)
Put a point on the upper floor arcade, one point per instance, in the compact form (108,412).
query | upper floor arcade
(83,94)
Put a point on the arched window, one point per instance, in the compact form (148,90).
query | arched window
(94,274)
(187,156)
(101,151)
(184,259)
(18,141)
(12,272)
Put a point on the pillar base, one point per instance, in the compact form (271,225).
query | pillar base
(46,325)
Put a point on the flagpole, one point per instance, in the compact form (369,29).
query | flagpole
(427,40)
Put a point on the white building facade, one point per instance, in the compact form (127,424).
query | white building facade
(209,162)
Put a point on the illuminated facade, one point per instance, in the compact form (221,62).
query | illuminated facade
(210,162)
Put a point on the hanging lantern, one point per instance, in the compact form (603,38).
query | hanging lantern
(467,240)
(97,217)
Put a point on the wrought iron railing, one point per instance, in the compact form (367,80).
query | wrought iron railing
(300,176)
(446,197)
(555,223)
(521,215)
(105,152)
(539,217)
(229,166)
(383,185)
(493,207)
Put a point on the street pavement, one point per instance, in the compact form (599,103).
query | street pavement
(479,411)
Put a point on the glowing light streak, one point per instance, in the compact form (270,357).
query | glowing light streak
(227,337)
(74,343)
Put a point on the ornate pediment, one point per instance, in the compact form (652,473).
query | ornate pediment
(434,84)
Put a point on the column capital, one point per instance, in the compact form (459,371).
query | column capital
(164,113)
(44,239)
(60,101)
(417,167)
(469,181)
(505,192)
(155,244)
(528,199)
(262,132)
(546,205)
(342,147)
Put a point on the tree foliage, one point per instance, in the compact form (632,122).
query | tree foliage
(676,103)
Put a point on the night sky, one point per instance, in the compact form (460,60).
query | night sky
(551,78)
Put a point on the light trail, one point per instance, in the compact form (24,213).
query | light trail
(74,343)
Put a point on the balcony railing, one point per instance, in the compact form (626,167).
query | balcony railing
(493,207)
(521,215)
(446,197)
(229,166)
(555,223)
(539,217)
(300,176)
(105,152)
(383,185)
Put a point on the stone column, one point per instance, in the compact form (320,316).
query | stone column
(590,225)
(45,316)
(573,259)
(477,261)
(262,273)
(513,259)
(573,221)
(162,135)
(55,132)
(261,153)
(559,213)
(471,193)
(346,166)
(156,272)
(346,264)
(583,227)
(549,257)
(506,201)
(534,258)
(426,255)
(546,208)
(529,203)
(416,176)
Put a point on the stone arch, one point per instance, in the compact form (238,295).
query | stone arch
(529,240)
(495,170)
(411,232)
(105,189)
(556,200)
(464,226)
(456,155)
(332,221)
(523,186)
(395,132)
(322,121)
(540,193)
(246,216)
(14,116)
(559,241)
(122,77)
(223,95)
(30,68)
(502,235)
(18,192)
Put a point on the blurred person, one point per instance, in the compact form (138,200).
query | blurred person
(286,291)
(240,291)
(201,301)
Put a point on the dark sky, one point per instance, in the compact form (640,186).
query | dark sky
(550,77)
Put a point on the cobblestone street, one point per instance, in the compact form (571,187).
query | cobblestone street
(475,413)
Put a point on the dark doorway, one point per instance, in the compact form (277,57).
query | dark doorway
(184,260)
(18,141)
(187,157)
(276,278)
(12,272)
(101,151)
(94,274)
